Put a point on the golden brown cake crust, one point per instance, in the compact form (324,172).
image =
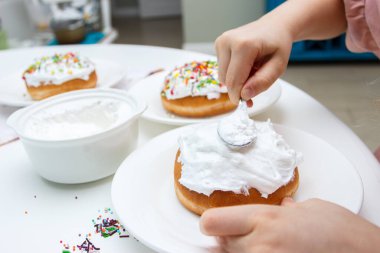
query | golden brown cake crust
(198,203)
(44,91)
(199,106)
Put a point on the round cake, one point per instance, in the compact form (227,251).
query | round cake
(210,173)
(193,90)
(49,76)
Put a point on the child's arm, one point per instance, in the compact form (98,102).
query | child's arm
(253,56)
(311,19)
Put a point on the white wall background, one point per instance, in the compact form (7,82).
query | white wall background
(205,20)
(146,8)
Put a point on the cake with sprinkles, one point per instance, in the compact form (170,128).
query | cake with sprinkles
(193,90)
(52,75)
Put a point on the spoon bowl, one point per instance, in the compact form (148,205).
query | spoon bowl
(237,130)
(236,145)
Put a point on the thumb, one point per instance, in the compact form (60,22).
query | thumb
(287,201)
(229,221)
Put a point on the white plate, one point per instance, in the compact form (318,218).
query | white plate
(150,88)
(13,91)
(144,198)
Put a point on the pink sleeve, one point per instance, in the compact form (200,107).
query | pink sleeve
(363,25)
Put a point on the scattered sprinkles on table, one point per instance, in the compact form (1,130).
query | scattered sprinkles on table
(57,69)
(105,225)
(197,78)
(86,246)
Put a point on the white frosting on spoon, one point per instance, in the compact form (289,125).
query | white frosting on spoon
(237,129)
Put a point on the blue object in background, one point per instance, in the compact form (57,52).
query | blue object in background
(91,38)
(321,50)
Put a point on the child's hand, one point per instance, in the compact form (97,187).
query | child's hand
(312,226)
(252,57)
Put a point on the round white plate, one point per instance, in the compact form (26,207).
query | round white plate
(13,91)
(149,89)
(144,198)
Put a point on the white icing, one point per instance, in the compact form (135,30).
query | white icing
(208,164)
(237,129)
(184,82)
(76,119)
(50,72)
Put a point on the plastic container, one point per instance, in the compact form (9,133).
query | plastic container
(82,159)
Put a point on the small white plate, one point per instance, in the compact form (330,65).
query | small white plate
(144,198)
(149,89)
(13,91)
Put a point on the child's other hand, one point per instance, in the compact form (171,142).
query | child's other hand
(252,57)
(313,226)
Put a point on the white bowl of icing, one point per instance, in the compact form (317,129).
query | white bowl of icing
(79,136)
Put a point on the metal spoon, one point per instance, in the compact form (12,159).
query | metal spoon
(241,111)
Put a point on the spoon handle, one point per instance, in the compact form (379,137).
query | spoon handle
(243,105)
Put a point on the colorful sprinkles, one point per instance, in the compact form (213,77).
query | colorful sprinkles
(105,225)
(68,60)
(193,77)
(57,69)
(86,246)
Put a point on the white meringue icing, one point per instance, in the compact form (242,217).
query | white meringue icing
(76,119)
(237,129)
(208,164)
(58,69)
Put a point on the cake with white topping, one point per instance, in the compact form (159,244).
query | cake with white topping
(52,75)
(193,90)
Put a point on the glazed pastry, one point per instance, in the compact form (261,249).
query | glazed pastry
(193,90)
(59,73)
(209,173)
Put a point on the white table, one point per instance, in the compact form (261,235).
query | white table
(37,214)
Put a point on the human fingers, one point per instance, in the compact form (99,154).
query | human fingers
(287,201)
(230,221)
(249,103)
(218,248)
(223,53)
(253,71)
(264,77)
(243,56)
(238,244)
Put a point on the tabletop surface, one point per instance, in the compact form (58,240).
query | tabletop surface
(40,216)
